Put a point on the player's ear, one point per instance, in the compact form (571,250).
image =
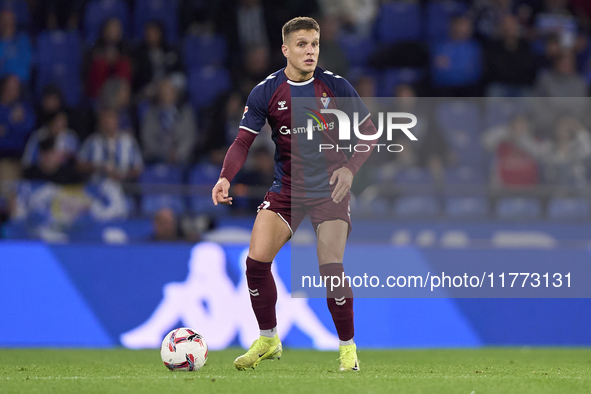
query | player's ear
(285,51)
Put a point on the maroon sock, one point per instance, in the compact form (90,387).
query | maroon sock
(340,301)
(263,293)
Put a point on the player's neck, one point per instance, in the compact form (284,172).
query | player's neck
(297,76)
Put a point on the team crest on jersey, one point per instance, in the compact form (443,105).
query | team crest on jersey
(325,101)
(281,105)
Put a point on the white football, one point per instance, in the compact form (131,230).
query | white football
(183,349)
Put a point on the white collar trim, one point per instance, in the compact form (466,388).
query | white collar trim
(300,83)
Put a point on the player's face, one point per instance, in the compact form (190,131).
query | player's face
(301,50)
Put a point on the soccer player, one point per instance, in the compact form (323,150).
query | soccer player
(289,199)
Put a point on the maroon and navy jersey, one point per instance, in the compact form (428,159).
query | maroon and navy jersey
(301,168)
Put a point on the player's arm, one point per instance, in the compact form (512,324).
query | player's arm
(253,120)
(233,162)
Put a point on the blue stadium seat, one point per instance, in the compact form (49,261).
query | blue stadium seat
(356,48)
(398,21)
(161,174)
(59,59)
(461,124)
(393,77)
(132,206)
(152,203)
(518,208)
(206,84)
(464,175)
(415,180)
(438,15)
(466,207)
(416,207)
(377,207)
(465,181)
(568,209)
(20,10)
(206,175)
(98,11)
(206,50)
(164,11)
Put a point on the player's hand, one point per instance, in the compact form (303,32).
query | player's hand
(344,179)
(219,193)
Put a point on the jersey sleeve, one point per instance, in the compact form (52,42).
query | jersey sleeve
(256,111)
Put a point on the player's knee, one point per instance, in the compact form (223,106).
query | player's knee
(260,254)
(329,254)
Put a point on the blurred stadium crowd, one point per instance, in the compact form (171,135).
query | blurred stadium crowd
(122,108)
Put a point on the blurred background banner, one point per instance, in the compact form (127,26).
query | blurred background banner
(133,295)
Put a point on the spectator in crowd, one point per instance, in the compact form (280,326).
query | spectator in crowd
(51,151)
(559,92)
(116,95)
(16,123)
(366,87)
(511,64)
(567,156)
(563,80)
(110,152)
(245,24)
(230,121)
(551,51)
(255,69)
(80,118)
(169,129)
(166,227)
(456,63)
(332,56)
(65,140)
(51,103)
(17,119)
(15,48)
(556,18)
(489,15)
(570,154)
(354,14)
(108,57)
(153,60)
(431,149)
(513,146)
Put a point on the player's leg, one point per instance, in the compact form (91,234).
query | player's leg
(332,237)
(270,232)
(333,224)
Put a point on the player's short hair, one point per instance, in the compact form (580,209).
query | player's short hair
(299,23)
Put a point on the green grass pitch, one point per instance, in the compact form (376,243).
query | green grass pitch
(489,370)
